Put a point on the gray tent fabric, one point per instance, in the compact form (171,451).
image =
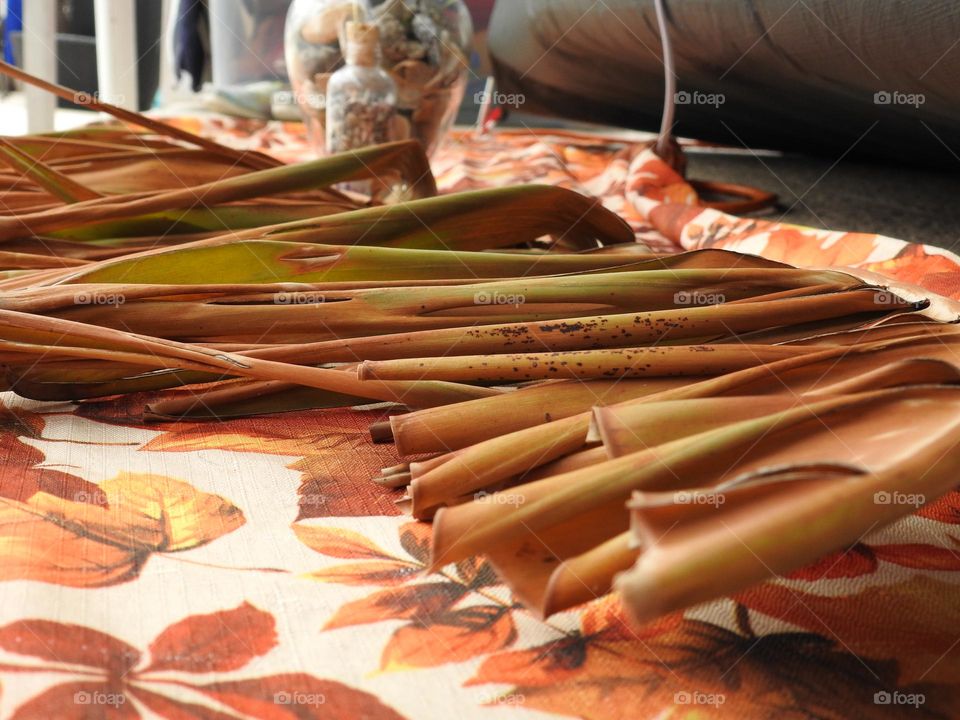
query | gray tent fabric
(868,78)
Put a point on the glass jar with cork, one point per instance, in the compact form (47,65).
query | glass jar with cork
(424,47)
(361,98)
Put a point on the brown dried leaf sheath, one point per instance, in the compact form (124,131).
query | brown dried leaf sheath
(631,392)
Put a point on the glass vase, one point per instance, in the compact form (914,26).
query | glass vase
(425,47)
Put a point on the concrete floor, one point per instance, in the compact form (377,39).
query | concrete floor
(907,203)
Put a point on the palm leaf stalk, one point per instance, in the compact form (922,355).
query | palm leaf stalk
(53,182)
(443,429)
(658,422)
(544,512)
(255,184)
(617,330)
(813,509)
(302,314)
(267,261)
(617,394)
(670,361)
(437,429)
(516,453)
(115,316)
(62,298)
(29,339)
(252,159)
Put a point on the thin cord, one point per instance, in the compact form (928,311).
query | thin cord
(669,84)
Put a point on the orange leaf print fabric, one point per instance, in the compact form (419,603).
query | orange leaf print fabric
(449,620)
(83,543)
(324,441)
(121,679)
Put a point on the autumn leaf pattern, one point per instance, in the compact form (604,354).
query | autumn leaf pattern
(23,473)
(106,677)
(692,228)
(945,510)
(871,622)
(863,559)
(109,539)
(450,619)
(690,668)
(605,666)
(328,445)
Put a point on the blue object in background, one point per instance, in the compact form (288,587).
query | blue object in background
(14,23)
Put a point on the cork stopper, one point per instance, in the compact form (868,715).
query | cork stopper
(363,43)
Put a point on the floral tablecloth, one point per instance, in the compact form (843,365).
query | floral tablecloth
(249,568)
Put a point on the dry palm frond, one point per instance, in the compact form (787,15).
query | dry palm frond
(257,160)
(49,179)
(563,408)
(683,479)
(825,481)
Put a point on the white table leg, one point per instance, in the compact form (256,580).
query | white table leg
(40,59)
(117,51)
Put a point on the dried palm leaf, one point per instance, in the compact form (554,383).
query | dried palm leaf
(817,484)
(252,159)
(686,378)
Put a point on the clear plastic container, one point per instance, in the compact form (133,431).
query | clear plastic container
(246,41)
